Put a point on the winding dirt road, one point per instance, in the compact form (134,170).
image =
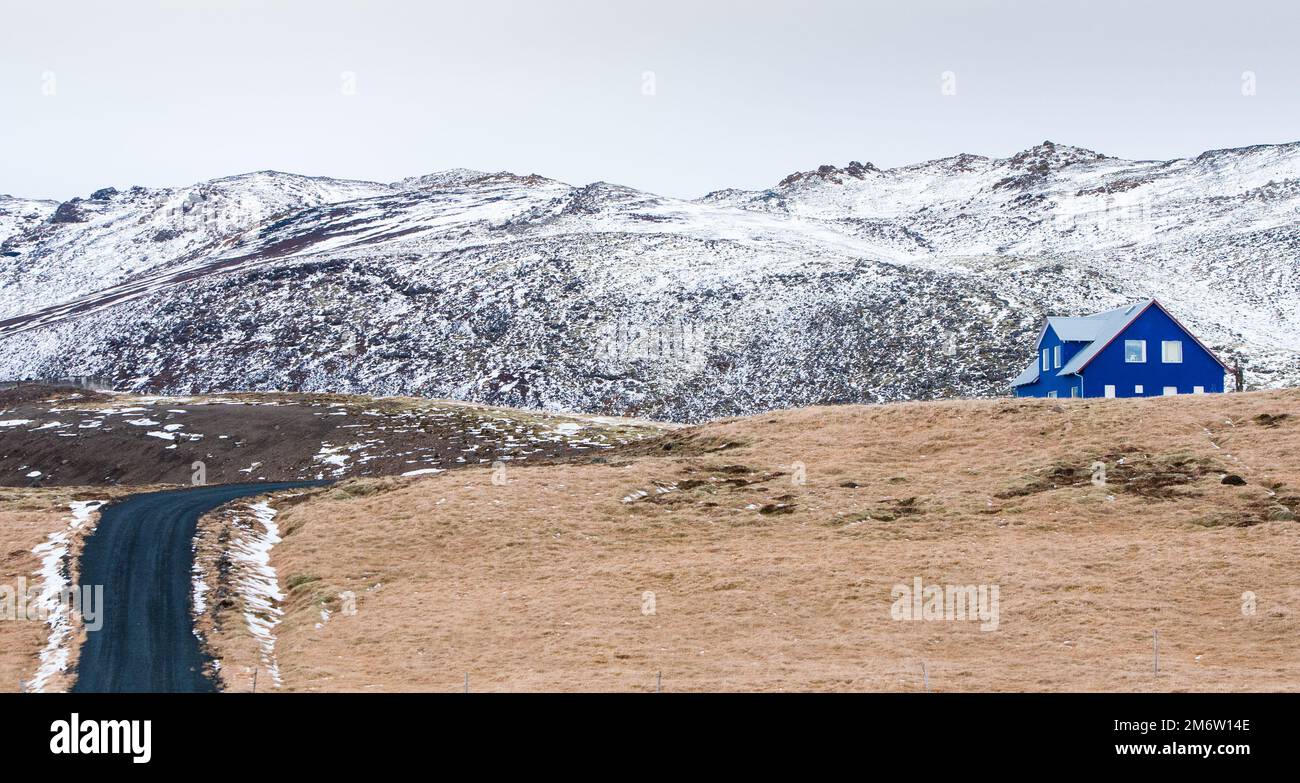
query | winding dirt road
(141,553)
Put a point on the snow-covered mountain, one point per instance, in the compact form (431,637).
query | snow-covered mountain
(839,284)
(20,214)
(87,245)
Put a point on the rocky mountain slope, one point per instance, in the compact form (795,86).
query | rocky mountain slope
(839,284)
(20,214)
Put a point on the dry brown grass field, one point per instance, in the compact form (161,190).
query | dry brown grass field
(27,518)
(771,545)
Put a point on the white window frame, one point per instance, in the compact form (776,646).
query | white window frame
(1142,343)
(1109,391)
(1047,362)
(1056,356)
(1074,391)
(1052,394)
(1139,389)
(1170,391)
(1198,390)
(1165,345)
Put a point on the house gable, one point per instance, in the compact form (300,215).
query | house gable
(1106,365)
(1119,320)
(1036,380)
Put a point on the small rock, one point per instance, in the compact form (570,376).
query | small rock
(1233,480)
(68,212)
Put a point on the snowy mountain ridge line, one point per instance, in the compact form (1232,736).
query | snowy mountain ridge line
(219,225)
(526,291)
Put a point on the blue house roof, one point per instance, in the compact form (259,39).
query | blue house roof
(1107,327)
(1028,375)
(1098,330)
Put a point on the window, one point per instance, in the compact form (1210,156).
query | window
(1198,390)
(1138,389)
(1110,390)
(1135,351)
(1171,351)
(1074,391)
(1056,355)
(1051,394)
(1046,364)
(1170,391)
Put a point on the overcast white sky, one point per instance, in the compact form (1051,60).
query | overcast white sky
(170,93)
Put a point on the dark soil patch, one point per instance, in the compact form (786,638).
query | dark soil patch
(38,393)
(1284,508)
(894,508)
(885,510)
(707,485)
(1056,477)
(1161,477)
(724,476)
(689,442)
(1271,419)
(74,441)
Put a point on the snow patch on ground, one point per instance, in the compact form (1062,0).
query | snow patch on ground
(54,580)
(200,591)
(258,584)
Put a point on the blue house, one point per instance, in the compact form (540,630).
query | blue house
(1138,350)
